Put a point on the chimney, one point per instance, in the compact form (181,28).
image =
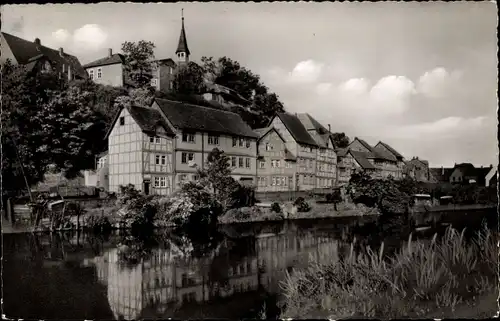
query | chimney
(61,52)
(110,52)
(70,75)
(329,128)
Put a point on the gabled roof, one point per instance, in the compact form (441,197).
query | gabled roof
(364,143)
(24,50)
(392,150)
(296,129)
(317,131)
(342,152)
(376,153)
(193,117)
(362,159)
(146,118)
(466,168)
(114,59)
(441,173)
(182,46)
(382,153)
(482,172)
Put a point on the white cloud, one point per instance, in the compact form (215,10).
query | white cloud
(89,37)
(307,71)
(355,86)
(437,82)
(392,93)
(61,35)
(323,88)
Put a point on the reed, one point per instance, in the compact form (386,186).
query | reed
(423,276)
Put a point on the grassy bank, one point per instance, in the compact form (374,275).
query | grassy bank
(424,279)
(318,210)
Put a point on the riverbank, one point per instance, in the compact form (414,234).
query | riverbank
(443,277)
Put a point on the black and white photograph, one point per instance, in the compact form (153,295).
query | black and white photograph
(249,160)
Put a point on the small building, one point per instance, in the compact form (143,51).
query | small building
(276,165)
(37,57)
(109,70)
(140,146)
(466,173)
(492,177)
(440,174)
(418,169)
(99,177)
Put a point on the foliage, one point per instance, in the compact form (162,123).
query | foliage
(340,140)
(334,197)
(139,63)
(189,80)
(423,275)
(137,210)
(243,196)
(275,207)
(302,205)
(97,223)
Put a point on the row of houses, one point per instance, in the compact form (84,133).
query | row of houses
(158,147)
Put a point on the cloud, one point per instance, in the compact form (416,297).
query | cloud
(356,86)
(307,71)
(89,37)
(392,93)
(61,35)
(438,82)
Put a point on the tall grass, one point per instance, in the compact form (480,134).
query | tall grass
(422,276)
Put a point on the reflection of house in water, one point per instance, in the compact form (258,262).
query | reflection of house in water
(165,281)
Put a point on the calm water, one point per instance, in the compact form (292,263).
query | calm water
(231,273)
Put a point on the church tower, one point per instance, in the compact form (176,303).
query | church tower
(182,51)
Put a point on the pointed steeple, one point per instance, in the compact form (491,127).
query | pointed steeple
(182,48)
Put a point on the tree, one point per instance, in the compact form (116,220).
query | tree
(139,62)
(340,140)
(23,94)
(189,80)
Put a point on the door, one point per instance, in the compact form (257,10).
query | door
(146,188)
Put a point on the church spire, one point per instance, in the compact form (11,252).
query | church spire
(182,48)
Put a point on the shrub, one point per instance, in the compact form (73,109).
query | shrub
(139,209)
(97,223)
(275,207)
(302,205)
(243,196)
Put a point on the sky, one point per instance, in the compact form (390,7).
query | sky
(419,76)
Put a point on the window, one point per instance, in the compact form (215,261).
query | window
(269,147)
(235,140)
(157,160)
(188,137)
(213,140)
(233,161)
(283,181)
(273,163)
(157,182)
(170,70)
(182,177)
(247,162)
(91,74)
(163,159)
(288,164)
(99,73)
(241,141)
(240,161)
(247,143)
(157,140)
(262,164)
(273,181)
(163,182)
(185,157)
(195,177)
(278,163)
(151,139)
(122,121)
(154,82)
(310,150)
(278,181)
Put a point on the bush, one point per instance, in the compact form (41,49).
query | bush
(97,223)
(243,196)
(302,205)
(139,209)
(275,207)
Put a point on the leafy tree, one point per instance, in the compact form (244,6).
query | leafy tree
(340,140)
(139,59)
(24,163)
(189,80)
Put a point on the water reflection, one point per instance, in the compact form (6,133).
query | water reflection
(170,275)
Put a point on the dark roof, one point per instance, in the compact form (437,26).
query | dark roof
(442,174)
(382,153)
(377,153)
(482,172)
(362,159)
(193,117)
(147,119)
(182,46)
(296,129)
(25,50)
(364,143)
(342,152)
(466,168)
(114,59)
(392,150)
(262,131)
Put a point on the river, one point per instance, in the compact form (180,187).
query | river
(233,273)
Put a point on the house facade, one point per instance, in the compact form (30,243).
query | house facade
(140,147)
(466,173)
(418,169)
(302,146)
(276,167)
(198,130)
(99,177)
(109,70)
(491,178)
(37,57)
